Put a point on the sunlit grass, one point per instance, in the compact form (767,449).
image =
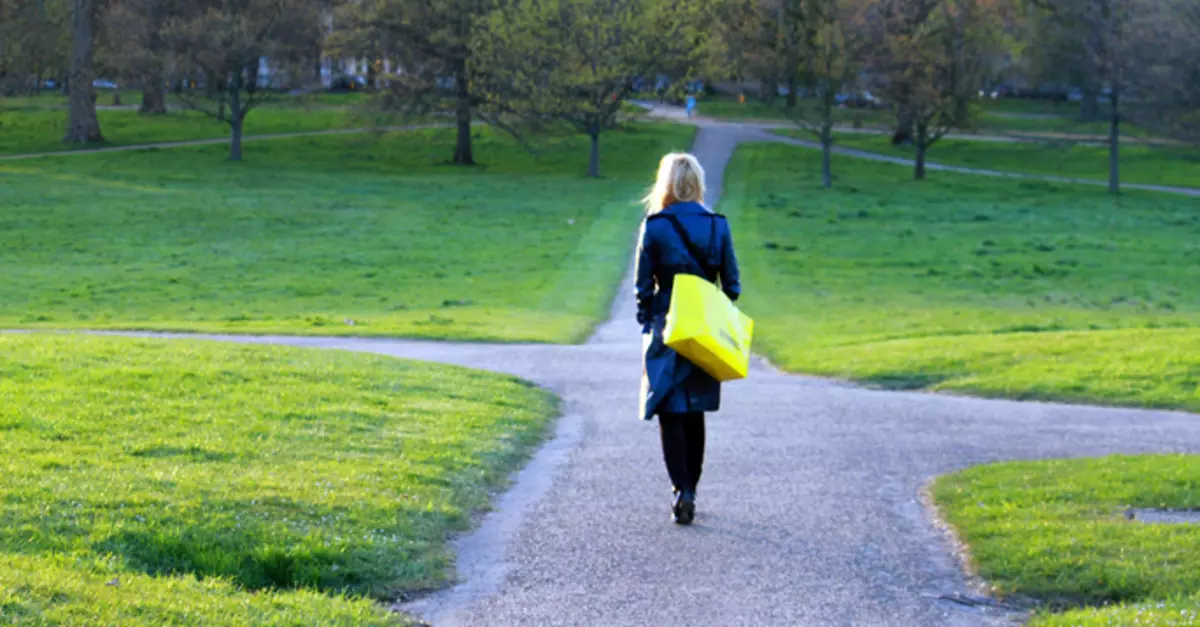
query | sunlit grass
(358,235)
(1018,289)
(1055,532)
(148,481)
(1140,163)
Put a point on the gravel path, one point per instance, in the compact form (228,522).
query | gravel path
(809,510)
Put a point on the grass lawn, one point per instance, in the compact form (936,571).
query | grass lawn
(1140,163)
(966,283)
(154,482)
(358,235)
(40,129)
(991,116)
(1054,531)
(727,107)
(999,121)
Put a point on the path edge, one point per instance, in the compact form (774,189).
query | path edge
(481,555)
(1014,609)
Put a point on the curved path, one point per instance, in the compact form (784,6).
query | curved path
(809,510)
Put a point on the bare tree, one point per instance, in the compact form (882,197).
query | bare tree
(31,43)
(911,69)
(920,61)
(433,41)
(243,49)
(1124,38)
(136,47)
(1168,81)
(832,41)
(576,61)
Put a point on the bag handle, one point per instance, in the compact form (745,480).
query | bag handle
(701,257)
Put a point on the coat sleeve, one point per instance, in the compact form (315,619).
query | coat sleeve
(731,279)
(644,273)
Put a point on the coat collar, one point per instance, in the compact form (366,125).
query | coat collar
(686,208)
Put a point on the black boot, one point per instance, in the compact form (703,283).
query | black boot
(683,509)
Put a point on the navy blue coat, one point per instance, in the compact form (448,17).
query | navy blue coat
(671,383)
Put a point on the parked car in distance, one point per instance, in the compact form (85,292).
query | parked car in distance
(858,100)
(347,83)
(101,83)
(998,91)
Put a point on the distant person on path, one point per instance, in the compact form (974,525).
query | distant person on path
(673,388)
(691,105)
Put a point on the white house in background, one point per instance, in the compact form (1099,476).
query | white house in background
(331,68)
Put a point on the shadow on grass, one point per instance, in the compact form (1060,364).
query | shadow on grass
(279,544)
(905,380)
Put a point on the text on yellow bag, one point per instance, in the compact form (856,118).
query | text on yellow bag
(705,327)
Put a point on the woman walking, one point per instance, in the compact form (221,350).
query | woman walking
(679,236)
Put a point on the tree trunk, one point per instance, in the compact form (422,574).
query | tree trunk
(462,146)
(594,160)
(962,111)
(154,95)
(827,105)
(922,142)
(768,89)
(904,128)
(826,157)
(154,92)
(1089,105)
(236,120)
(82,125)
(1114,147)
(791,87)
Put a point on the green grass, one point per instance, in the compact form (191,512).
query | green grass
(152,482)
(727,107)
(1054,531)
(1140,163)
(967,283)
(989,120)
(1180,611)
(990,117)
(41,129)
(132,98)
(357,235)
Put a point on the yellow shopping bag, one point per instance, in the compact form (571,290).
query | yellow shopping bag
(704,326)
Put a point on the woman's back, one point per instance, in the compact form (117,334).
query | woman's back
(665,253)
(679,236)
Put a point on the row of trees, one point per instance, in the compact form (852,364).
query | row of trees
(928,59)
(523,65)
(517,65)
(218,42)
(540,64)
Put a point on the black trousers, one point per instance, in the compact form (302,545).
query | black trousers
(683,448)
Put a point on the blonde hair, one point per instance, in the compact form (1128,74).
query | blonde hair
(680,179)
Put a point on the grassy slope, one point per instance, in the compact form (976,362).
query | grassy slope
(41,130)
(1054,531)
(237,484)
(308,234)
(989,116)
(1027,290)
(727,107)
(1153,165)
